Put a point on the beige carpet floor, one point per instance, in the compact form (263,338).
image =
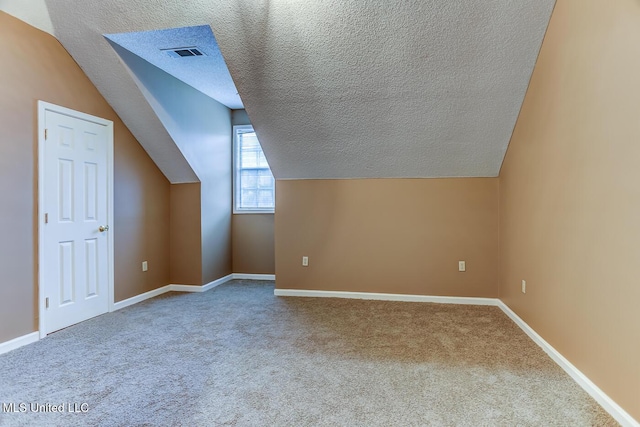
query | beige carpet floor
(238,356)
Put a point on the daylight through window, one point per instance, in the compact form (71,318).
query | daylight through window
(254,186)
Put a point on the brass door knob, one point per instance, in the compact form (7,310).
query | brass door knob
(103,228)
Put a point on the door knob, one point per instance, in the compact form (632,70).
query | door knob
(103,228)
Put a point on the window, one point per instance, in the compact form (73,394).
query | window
(253,184)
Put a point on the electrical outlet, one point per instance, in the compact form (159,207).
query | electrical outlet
(462,266)
(305,261)
(524,286)
(145,265)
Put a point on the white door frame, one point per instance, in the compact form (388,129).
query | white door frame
(43,107)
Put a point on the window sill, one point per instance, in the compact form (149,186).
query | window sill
(250,212)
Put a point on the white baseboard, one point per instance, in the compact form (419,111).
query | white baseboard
(139,298)
(587,385)
(189,288)
(186,288)
(170,288)
(385,297)
(244,276)
(204,288)
(7,346)
(233,276)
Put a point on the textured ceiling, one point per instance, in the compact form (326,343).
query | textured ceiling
(339,88)
(207,73)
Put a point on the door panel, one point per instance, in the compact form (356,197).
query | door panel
(66,284)
(65,189)
(75,199)
(91,267)
(91,190)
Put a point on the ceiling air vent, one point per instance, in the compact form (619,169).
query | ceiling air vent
(183,52)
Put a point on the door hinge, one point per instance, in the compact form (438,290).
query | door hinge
(45,134)
(46,302)
(46,218)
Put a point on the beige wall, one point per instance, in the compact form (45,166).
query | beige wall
(185,235)
(36,67)
(253,246)
(389,235)
(141,209)
(570,195)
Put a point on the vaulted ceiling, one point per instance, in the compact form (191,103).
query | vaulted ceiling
(338,88)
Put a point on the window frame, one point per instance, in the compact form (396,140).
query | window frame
(237,130)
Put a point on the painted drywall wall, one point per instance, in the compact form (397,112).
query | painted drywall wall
(253,244)
(40,69)
(141,209)
(570,195)
(252,235)
(388,235)
(201,128)
(185,234)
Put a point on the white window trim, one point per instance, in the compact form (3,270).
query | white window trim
(236,168)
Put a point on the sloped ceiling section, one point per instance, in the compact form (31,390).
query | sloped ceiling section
(33,12)
(206,72)
(189,116)
(341,88)
(349,89)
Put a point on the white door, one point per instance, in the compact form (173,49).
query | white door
(75,238)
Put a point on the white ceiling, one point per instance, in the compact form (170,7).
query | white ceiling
(33,12)
(339,88)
